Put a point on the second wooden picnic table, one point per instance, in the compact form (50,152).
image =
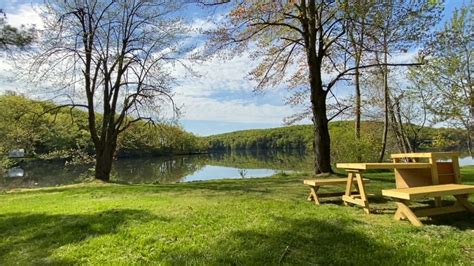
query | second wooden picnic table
(356,170)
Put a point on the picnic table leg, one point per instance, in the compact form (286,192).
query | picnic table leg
(404,211)
(350,177)
(313,194)
(399,215)
(462,200)
(361,189)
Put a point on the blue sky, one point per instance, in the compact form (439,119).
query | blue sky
(220,100)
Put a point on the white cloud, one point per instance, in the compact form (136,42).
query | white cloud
(241,111)
(202,95)
(404,58)
(200,25)
(216,76)
(25,14)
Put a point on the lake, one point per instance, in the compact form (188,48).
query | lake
(168,169)
(161,169)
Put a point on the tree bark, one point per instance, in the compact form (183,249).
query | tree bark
(322,140)
(471,120)
(357,103)
(386,102)
(357,45)
(104,158)
(315,52)
(357,109)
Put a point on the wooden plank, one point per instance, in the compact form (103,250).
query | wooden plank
(314,195)
(349,199)
(406,212)
(405,178)
(367,166)
(428,191)
(435,177)
(328,181)
(424,155)
(446,173)
(438,211)
(434,171)
(462,200)
(350,179)
(330,194)
(399,215)
(457,172)
(361,189)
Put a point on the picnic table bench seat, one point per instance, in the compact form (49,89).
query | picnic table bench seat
(315,184)
(402,196)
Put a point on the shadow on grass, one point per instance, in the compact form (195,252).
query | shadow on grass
(462,220)
(258,185)
(33,237)
(303,241)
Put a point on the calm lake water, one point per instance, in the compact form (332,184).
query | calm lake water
(162,169)
(167,169)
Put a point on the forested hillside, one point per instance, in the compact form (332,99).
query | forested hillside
(47,132)
(342,140)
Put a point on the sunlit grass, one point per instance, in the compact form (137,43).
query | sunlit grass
(250,221)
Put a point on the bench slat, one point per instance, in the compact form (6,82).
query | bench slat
(327,181)
(428,191)
(367,166)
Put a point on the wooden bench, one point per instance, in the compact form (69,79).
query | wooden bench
(402,196)
(315,184)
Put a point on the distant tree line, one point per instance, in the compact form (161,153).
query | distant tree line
(289,138)
(299,138)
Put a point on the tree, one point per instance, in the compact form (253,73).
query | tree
(109,57)
(357,31)
(447,77)
(14,37)
(306,35)
(398,26)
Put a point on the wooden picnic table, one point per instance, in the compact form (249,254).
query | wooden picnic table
(357,169)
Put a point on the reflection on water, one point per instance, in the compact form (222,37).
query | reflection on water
(168,169)
(164,169)
(468,160)
(16,172)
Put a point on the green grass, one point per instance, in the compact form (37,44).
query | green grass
(251,221)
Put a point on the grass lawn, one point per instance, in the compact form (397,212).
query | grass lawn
(249,221)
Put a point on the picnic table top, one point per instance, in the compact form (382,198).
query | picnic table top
(424,155)
(367,166)
(428,191)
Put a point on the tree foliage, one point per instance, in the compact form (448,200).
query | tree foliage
(345,148)
(14,37)
(447,78)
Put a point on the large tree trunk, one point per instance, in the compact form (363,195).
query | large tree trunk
(103,166)
(315,53)
(322,140)
(104,158)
